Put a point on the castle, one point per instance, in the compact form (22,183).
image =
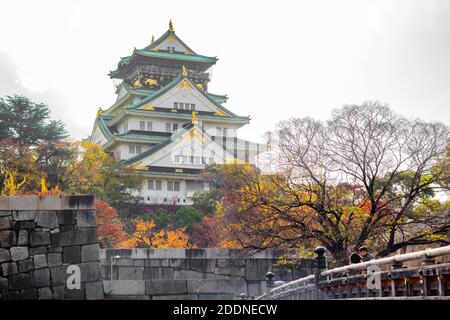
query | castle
(166,124)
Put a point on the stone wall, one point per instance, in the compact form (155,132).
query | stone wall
(195,273)
(40,237)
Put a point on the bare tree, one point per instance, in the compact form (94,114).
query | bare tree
(353,180)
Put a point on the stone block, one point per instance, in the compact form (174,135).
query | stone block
(67,217)
(157,273)
(77,237)
(40,278)
(90,271)
(45,293)
(124,287)
(54,249)
(19,281)
(25,265)
(59,275)
(67,228)
(139,263)
(203,265)
(153,263)
(22,240)
(19,253)
(217,286)
(176,297)
(164,262)
(27,225)
(54,259)
(24,215)
(175,263)
(4,255)
(39,238)
(90,252)
(49,203)
(58,292)
(217,296)
(23,202)
(5,223)
(165,287)
(3,285)
(195,253)
(4,204)
(123,262)
(40,261)
(74,294)
(7,239)
(254,288)
(94,290)
(195,275)
(72,254)
(5,213)
(38,250)
(131,273)
(77,202)
(86,219)
(223,263)
(256,269)
(30,294)
(129,297)
(47,219)
(9,268)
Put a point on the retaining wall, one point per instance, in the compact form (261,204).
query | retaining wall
(195,273)
(40,237)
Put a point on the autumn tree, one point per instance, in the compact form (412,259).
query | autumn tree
(109,227)
(353,180)
(145,236)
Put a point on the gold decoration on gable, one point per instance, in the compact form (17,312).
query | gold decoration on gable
(148,107)
(171,38)
(179,170)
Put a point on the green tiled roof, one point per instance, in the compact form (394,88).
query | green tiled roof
(173,83)
(136,135)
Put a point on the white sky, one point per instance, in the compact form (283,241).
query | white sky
(277,59)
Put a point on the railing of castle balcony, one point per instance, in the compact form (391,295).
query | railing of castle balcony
(385,278)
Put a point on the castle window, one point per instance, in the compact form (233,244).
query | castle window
(175,105)
(149,126)
(192,106)
(225,132)
(181,105)
(141,125)
(168,127)
(173,185)
(131,149)
(154,184)
(138,149)
(175,127)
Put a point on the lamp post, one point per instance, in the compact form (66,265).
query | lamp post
(115,257)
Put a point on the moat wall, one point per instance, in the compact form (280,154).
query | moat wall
(40,237)
(195,273)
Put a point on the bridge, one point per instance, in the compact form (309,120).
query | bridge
(418,275)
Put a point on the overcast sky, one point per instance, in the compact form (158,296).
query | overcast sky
(277,59)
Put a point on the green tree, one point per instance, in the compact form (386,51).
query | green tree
(27,122)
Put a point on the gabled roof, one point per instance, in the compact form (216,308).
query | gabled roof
(152,51)
(171,85)
(159,146)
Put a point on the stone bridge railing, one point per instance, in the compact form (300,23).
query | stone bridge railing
(386,278)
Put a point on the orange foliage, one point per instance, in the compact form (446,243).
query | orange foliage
(145,236)
(109,227)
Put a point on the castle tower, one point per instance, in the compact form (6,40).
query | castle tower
(165,122)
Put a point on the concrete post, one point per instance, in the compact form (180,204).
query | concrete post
(320,266)
(269,285)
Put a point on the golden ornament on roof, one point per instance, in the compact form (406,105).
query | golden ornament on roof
(99,111)
(194,117)
(153,38)
(183,71)
(170,26)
